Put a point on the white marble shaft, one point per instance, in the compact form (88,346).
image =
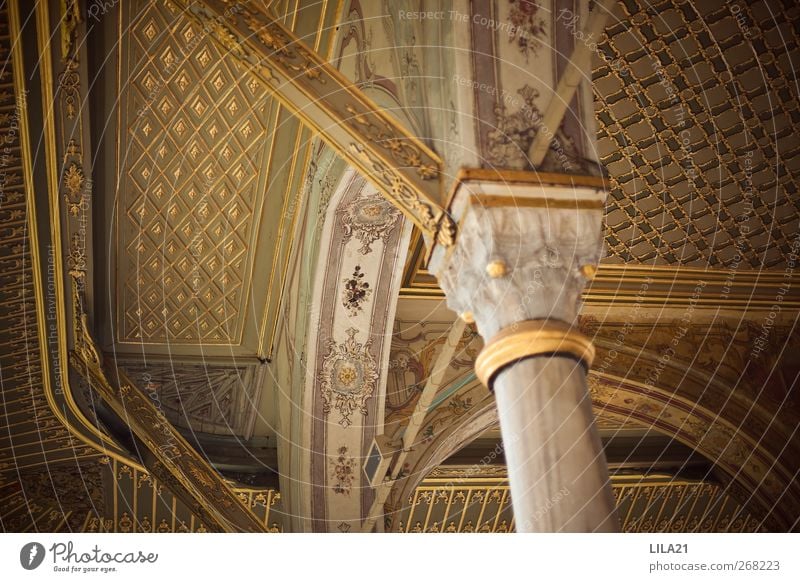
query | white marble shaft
(557,469)
(558,473)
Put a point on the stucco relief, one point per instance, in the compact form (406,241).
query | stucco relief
(369,219)
(349,374)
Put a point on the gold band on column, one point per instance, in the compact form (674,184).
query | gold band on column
(526,339)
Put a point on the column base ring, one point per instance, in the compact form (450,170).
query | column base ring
(528,339)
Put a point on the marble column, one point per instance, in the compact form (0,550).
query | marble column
(524,252)
(506,100)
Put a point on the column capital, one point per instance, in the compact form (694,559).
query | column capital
(528,242)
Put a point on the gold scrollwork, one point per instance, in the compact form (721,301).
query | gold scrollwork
(70,18)
(431,219)
(74,181)
(68,86)
(401,148)
(76,261)
(226,38)
(287,54)
(85,348)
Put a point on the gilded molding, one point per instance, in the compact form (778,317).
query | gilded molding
(54,405)
(528,339)
(404,169)
(70,19)
(30,390)
(140,503)
(549,203)
(174,461)
(655,286)
(512,178)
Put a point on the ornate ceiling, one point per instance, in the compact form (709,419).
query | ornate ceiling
(698,115)
(135,502)
(206,399)
(219,222)
(207,191)
(34,434)
(208,187)
(197,130)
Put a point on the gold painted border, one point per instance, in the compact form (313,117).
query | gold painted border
(489,201)
(51,157)
(431,199)
(527,339)
(267,348)
(523,177)
(619,284)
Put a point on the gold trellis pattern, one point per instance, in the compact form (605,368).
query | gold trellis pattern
(477,500)
(698,122)
(196,128)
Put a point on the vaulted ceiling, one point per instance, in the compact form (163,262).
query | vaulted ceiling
(209,201)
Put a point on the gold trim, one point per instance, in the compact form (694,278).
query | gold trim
(468,317)
(400,165)
(657,285)
(280,231)
(589,271)
(488,201)
(45,60)
(526,339)
(484,502)
(497,269)
(266,347)
(524,177)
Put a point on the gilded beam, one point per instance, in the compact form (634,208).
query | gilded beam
(403,168)
(167,456)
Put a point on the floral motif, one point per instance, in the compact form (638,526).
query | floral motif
(76,261)
(527,27)
(403,151)
(369,218)
(344,470)
(349,374)
(202,477)
(74,181)
(514,133)
(355,292)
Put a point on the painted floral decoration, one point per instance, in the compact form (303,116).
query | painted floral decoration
(527,26)
(356,291)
